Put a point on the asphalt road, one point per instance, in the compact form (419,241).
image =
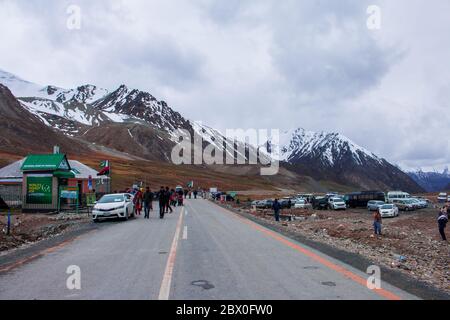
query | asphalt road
(200,252)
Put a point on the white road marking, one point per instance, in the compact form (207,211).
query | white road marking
(185,233)
(164,291)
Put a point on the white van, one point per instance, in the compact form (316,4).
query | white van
(442,197)
(397,195)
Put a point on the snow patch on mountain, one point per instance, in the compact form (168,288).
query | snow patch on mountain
(331,147)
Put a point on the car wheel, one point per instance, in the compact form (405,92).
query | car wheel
(95,220)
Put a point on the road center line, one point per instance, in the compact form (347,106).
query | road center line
(164,291)
(185,233)
(339,269)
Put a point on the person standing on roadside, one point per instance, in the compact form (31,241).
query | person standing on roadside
(162,202)
(148,202)
(138,202)
(276,209)
(442,222)
(195,194)
(377,222)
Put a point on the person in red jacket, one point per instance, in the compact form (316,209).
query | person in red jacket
(138,197)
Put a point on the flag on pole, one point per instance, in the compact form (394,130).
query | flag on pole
(190,184)
(106,168)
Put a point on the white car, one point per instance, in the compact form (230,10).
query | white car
(337,204)
(113,206)
(301,204)
(389,210)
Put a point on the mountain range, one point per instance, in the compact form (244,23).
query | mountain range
(432,181)
(133,122)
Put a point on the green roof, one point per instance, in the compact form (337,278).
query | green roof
(46,162)
(64,174)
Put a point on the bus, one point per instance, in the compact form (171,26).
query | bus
(361,199)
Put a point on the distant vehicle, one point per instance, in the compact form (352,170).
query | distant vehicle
(374,205)
(404,205)
(337,204)
(114,206)
(255,203)
(284,203)
(301,204)
(442,197)
(320,203)
(397,195)
(178,189)
(307,196)
(265,204)
(419,204)
(361,199)
(389,210)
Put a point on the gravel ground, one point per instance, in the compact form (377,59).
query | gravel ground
(410,243)
(30,228)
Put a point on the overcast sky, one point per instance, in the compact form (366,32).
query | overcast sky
(257,64)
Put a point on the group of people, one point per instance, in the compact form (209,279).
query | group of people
(167,199)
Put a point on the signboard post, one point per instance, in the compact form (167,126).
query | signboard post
(70,194)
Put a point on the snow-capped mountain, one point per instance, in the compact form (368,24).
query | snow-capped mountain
(135,122)
(328,148)
(432,181)
(334,157)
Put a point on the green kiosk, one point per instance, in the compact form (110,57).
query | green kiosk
(44,176)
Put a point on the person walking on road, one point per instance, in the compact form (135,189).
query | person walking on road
(276,209)
(167,200)
(148,202)
(377,222)
(442,222)
(195,194)
(162,202)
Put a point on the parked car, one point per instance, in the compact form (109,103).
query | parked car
(361,199)
(320,203)
(404,205)
(114,206)
(301,204)
(337,204)
(442,197)
(374,205)
(265,204)
(419,204)
(389,210)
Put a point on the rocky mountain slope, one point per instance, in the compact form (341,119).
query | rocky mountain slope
(21,131)
(332,156)
(432,181)
(134,122)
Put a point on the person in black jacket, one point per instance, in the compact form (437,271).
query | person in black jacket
(442,222)
(148,202)
(167,200)
(276,208)
(162,202)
